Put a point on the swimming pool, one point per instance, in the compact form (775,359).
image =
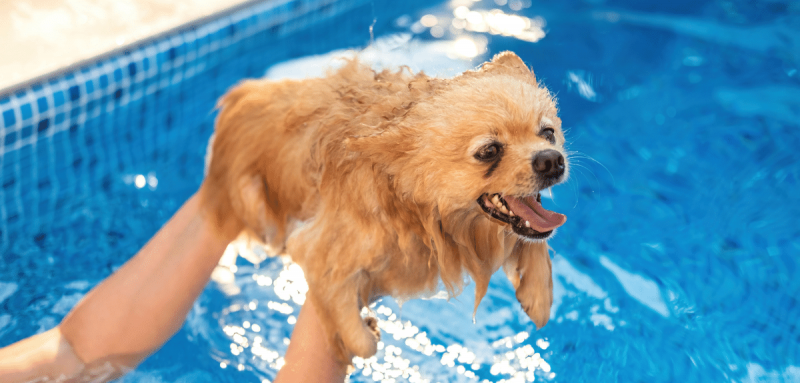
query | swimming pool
(679,261)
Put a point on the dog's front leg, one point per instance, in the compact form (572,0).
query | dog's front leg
(339,310)
(530,271)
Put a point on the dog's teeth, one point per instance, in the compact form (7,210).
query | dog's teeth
(527,224)
(496,199)
(511,213)
(503,209)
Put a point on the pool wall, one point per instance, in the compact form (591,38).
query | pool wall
(67,135)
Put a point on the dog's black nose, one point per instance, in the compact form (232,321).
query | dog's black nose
(549,164)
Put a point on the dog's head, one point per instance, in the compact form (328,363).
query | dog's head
(488,141)
(501,132)
(472,156)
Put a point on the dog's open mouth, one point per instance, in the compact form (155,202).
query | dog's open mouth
(526,215)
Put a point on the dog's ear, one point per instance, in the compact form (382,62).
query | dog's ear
(508,63)
(530,271)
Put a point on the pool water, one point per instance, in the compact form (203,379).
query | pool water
(679,261)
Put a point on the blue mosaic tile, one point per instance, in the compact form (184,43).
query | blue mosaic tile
(26,132)
(41,104)
(74,93)
(75,113)
(118,74)
(10,138)
(43,125)
(104,81)
(9,118)
(58,99)
(27,111)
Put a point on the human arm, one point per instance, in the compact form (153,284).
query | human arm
(133,312)
(309,358)
(130,314)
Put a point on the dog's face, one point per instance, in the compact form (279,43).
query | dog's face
(493,144)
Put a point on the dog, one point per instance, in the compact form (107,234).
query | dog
(385,183)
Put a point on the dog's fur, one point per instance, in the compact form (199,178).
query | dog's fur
(369,181)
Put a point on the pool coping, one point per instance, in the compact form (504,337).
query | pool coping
(19,86)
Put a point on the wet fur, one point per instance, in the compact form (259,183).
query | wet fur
(368,180)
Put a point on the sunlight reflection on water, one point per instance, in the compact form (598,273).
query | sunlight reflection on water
(265,298)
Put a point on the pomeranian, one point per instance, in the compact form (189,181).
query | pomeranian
(385,183)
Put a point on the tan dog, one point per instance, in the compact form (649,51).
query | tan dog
(385,183)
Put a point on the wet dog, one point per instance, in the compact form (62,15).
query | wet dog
(385,183)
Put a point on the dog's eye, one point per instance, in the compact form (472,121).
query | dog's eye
(489,152)
(548,134)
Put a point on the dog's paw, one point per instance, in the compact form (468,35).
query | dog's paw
(363,342)
(372,323)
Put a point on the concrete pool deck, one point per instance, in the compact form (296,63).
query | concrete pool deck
(40,37)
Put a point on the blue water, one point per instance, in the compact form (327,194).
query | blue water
(679,260)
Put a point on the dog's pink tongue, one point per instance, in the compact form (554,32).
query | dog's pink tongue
(541,219)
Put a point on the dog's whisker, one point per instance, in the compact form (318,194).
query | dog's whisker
(568,135)
(590,158)
(580,168)
(593,173)
(575,194)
